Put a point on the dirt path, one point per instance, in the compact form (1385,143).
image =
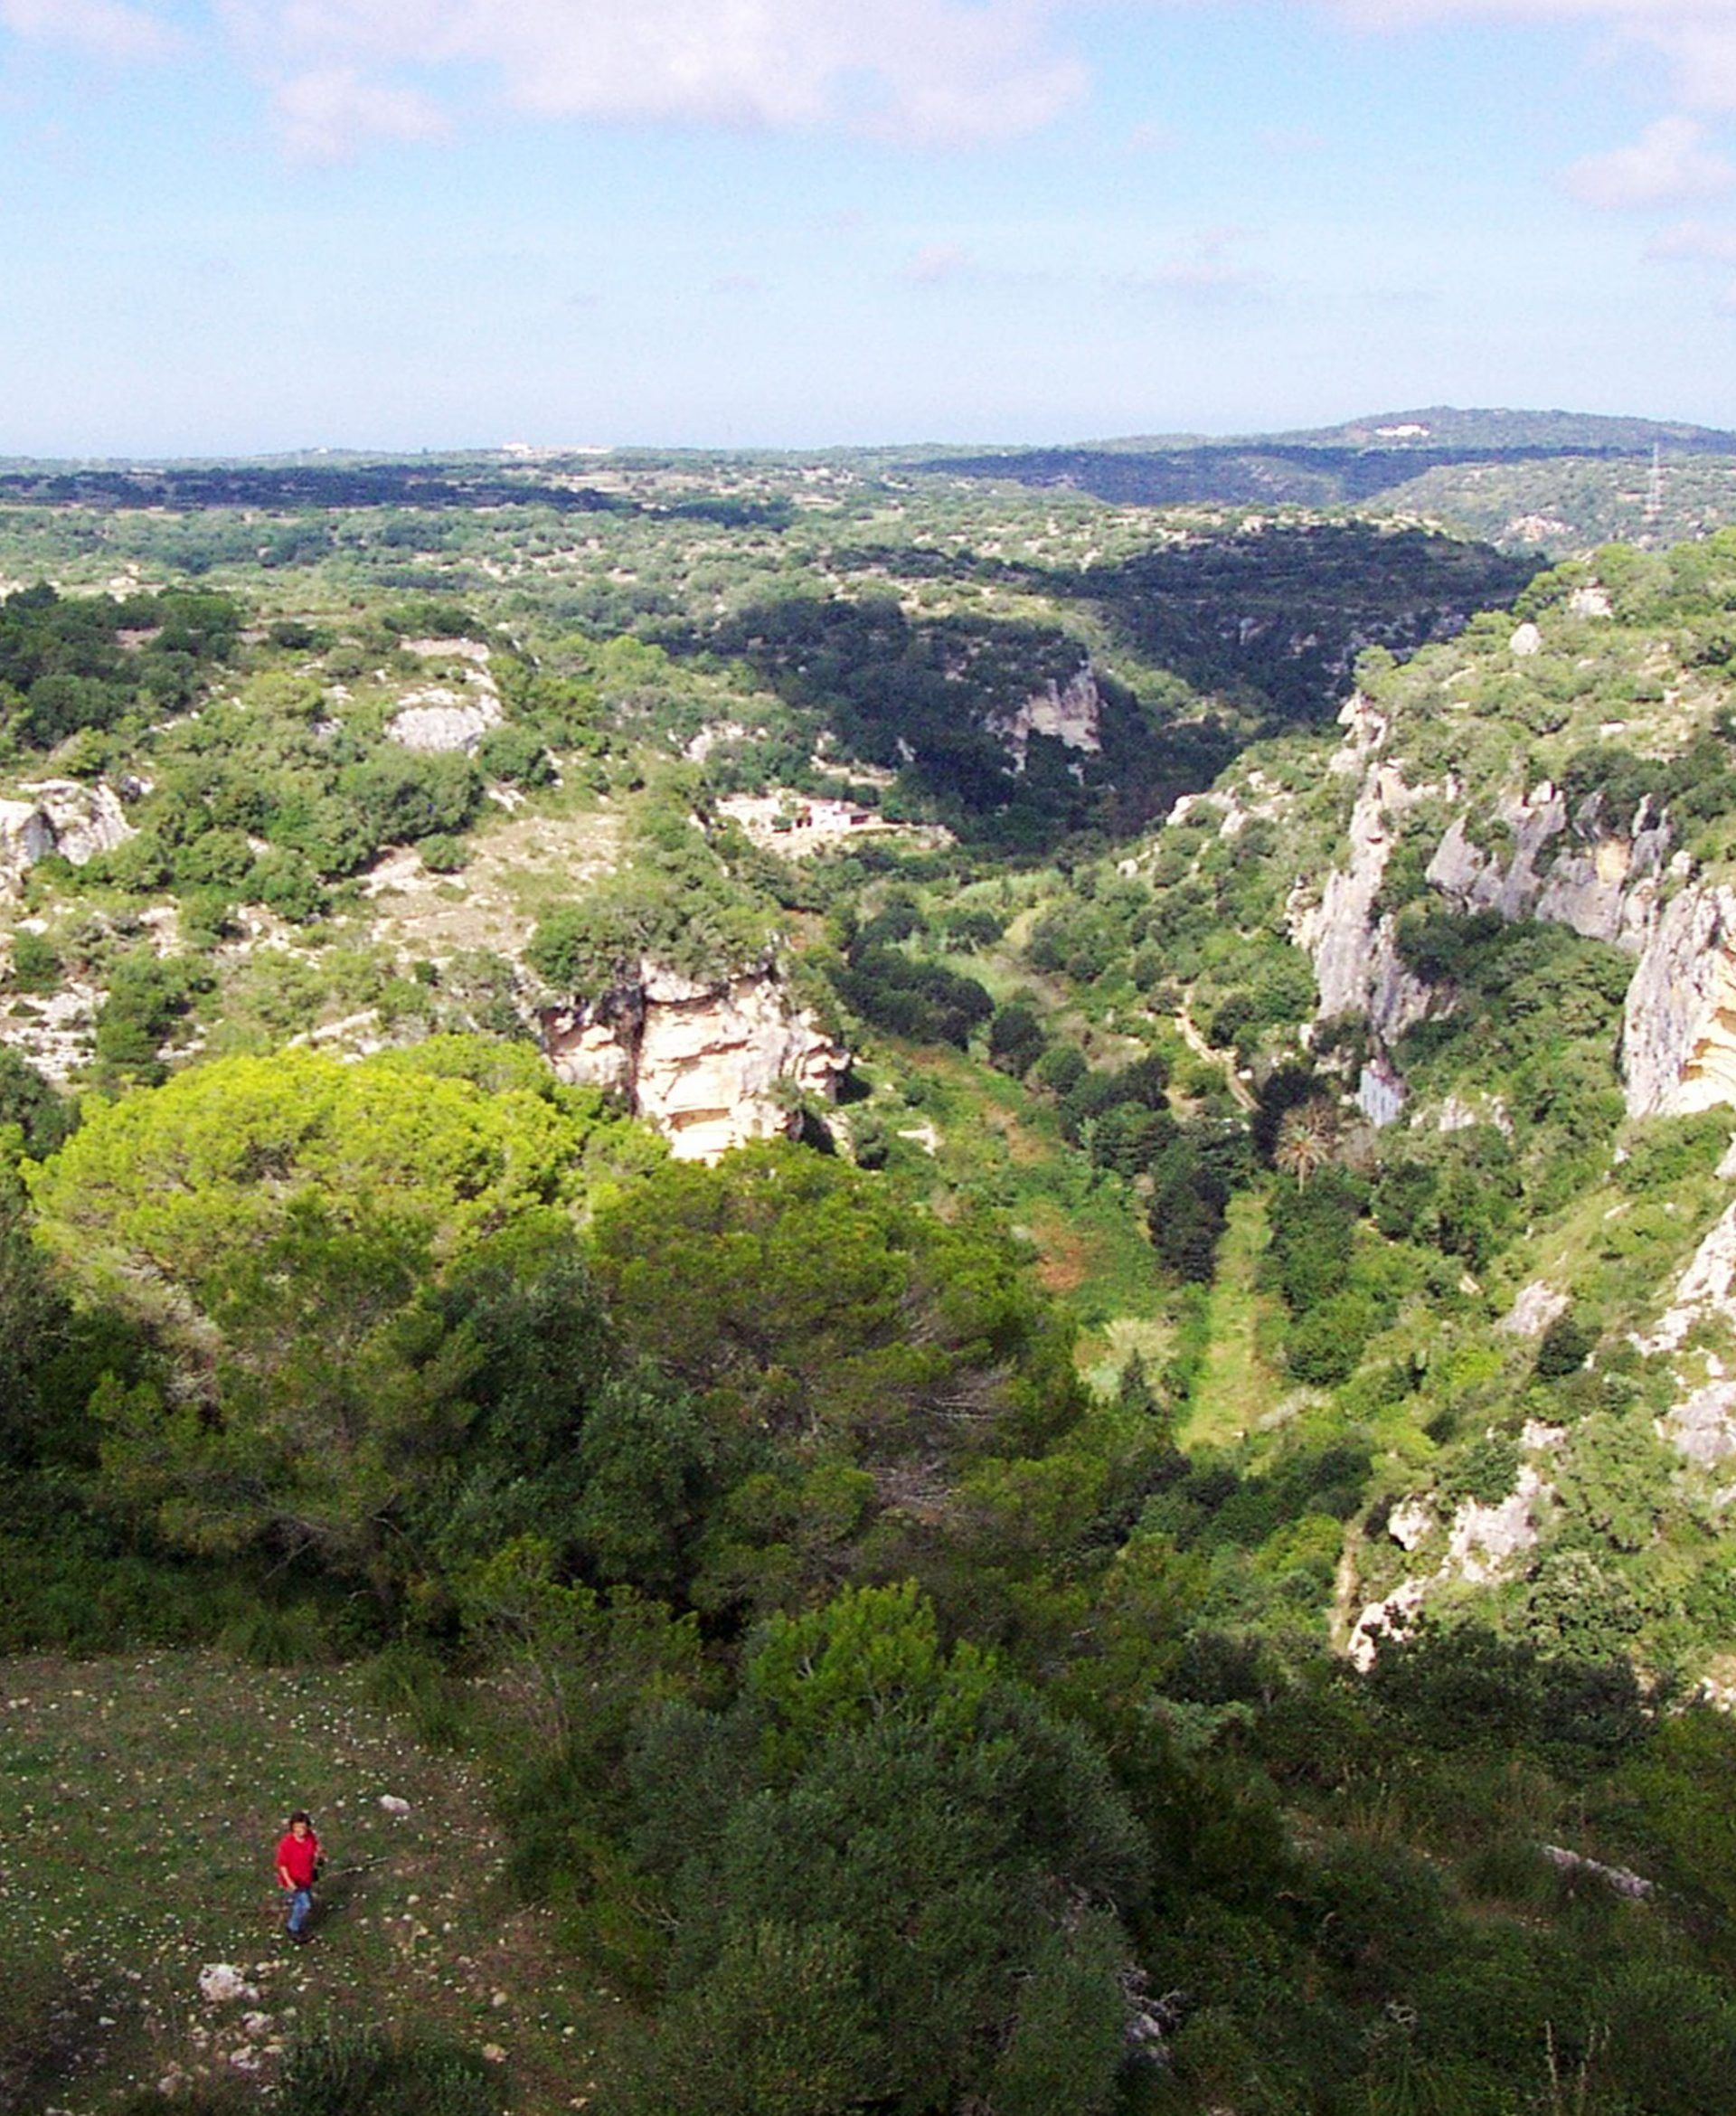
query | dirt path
(1197,1043)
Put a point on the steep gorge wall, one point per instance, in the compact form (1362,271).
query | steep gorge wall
(1611,878)
(711,1066)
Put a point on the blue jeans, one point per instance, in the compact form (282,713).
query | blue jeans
(301,1902)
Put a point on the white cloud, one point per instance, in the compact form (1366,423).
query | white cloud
(1670,163)
(938,263)
(1696,38)
(322,115)
(105,27)
(1694,242)
(923,71)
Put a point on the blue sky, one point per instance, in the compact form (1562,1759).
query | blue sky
(239,225)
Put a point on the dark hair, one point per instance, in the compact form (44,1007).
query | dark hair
(301,1815)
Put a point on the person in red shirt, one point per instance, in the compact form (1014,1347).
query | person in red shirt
(298,1870)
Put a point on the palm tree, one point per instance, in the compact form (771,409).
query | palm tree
(1308,1137)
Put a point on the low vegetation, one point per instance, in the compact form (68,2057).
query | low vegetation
(862,1626)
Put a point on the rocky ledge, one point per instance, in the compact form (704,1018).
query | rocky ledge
(711,1066)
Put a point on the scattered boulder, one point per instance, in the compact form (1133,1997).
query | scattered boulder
(220,1983)
(1623,1880)
(1533,1308)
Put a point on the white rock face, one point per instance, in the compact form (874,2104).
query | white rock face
(1409,1522)
(26,835)
(711,1066)
(1483,1539)
(1379,1619)
(1678,1041)
(1482,1542)
(1702,1428)
(1381,1092)
(1356,963)
(1604,888)
(59,816)
(1070,713)
(1526,640)
(1701,1425)
(1534,1308)
(86,819)
(1704,1293)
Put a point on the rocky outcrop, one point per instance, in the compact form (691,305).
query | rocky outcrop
(1484,1540)
(1605,888)
(1534,1308)
(59,816)
(1481,1544)
(1605,876)
(1357,967)
(1678,1043)
(26,835)
(1070,713)
(86,820)
(711,1066)
(437,717)
(1701,1424)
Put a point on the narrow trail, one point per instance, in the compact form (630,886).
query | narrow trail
(1238,1088)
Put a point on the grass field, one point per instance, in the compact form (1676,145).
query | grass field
(141,1800)
(1237,1388)
(995,1139)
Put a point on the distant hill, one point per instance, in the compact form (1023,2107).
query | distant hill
(1567,492)
(1502,432)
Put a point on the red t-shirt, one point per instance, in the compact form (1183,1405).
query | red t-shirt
(295,1856)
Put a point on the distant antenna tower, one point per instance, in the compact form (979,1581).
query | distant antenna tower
(1655,487)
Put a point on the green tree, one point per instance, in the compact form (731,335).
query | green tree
(796,1295)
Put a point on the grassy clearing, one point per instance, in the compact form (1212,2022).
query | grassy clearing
(995,1140)
(518,869)
(141,1798)
(1237,1388)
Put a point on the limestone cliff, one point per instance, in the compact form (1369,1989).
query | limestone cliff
(1679,1027)
(1605,876)
(1355,956)
(711,1066)
(1070,713)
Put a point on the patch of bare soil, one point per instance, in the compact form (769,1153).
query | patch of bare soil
(517,871)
